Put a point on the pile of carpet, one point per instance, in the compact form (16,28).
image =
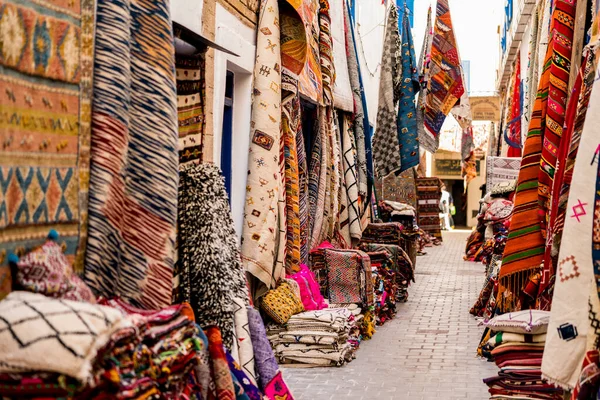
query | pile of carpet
(114,351)
(516,346)
(319,338)
(385,285)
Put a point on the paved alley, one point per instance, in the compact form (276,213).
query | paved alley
(427,352)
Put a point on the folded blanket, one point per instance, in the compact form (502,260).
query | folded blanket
(508,337)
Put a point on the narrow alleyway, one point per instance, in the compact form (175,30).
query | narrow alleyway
(427,352)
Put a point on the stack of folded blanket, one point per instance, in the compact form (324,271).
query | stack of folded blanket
(316,338)
(517,347)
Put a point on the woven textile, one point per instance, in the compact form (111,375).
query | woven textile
(445,84)
(429,193)
(563,180)
(310,82)
(303,197)
(350,178)
(190,106)
(46,62)
(326,52)
(558,93)
(133,208)
(349,277)
(525,246)
(290,125)
(319,180)
(513,137)
(36,331)
(259,244)
(46,271)
(386,146)
(427,140)
(400,188)
(407,119)
(575,293)
(501,169)
(208,254)
(359,112)
(221,375)
(266,365)
(343,98)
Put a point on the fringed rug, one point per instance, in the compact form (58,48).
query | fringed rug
(501,169)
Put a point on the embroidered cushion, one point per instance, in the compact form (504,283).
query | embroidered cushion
(281,303)
(47,271)
(498,210)
(310,293)
(532,322)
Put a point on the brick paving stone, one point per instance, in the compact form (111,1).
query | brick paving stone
(428,352)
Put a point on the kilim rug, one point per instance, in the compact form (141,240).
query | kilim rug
(513,130)
(524,249)
(326,52)
(190,106)
(290,125)
(407,119)
(359,112)
(575,293)
(133,207)
(259,244)
(427,140)
(350,177)
(347,276)
(501,169)
(400,188)
(386,147)
(429,193)
(341,90)
(445,85)
(46,76)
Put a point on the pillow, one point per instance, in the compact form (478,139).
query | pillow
(47,271)
(498,210)
(281,303)
(310,293)
(532,322)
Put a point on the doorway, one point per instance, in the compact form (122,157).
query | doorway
(456,188)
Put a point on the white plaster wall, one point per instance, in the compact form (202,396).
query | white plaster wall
(241,40)
(188,13)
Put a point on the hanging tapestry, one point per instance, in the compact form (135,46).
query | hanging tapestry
(190,106)
(310,83)
(326,52)
(290,124)
(350,178)
(427,140)
(407,121)
(133,208)
(563,183)
(342,92)
(303,198)
(400,188)
(469,161)
(445,84)
(314,181)
(501,169)
(335,181)
(359,112)
(319,210)
(558,94)
(261,215)
(524,249)
(513,130)
(385,142)
(530,82)
(46,66)
(208,251)
(570,331)
(574,120)
(429,193)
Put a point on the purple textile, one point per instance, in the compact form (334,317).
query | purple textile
(264,359)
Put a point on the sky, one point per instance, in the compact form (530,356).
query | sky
(475,23)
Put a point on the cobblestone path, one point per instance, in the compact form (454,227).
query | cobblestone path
(427,352)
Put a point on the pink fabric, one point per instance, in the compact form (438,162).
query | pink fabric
(310,293)
(277,389)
